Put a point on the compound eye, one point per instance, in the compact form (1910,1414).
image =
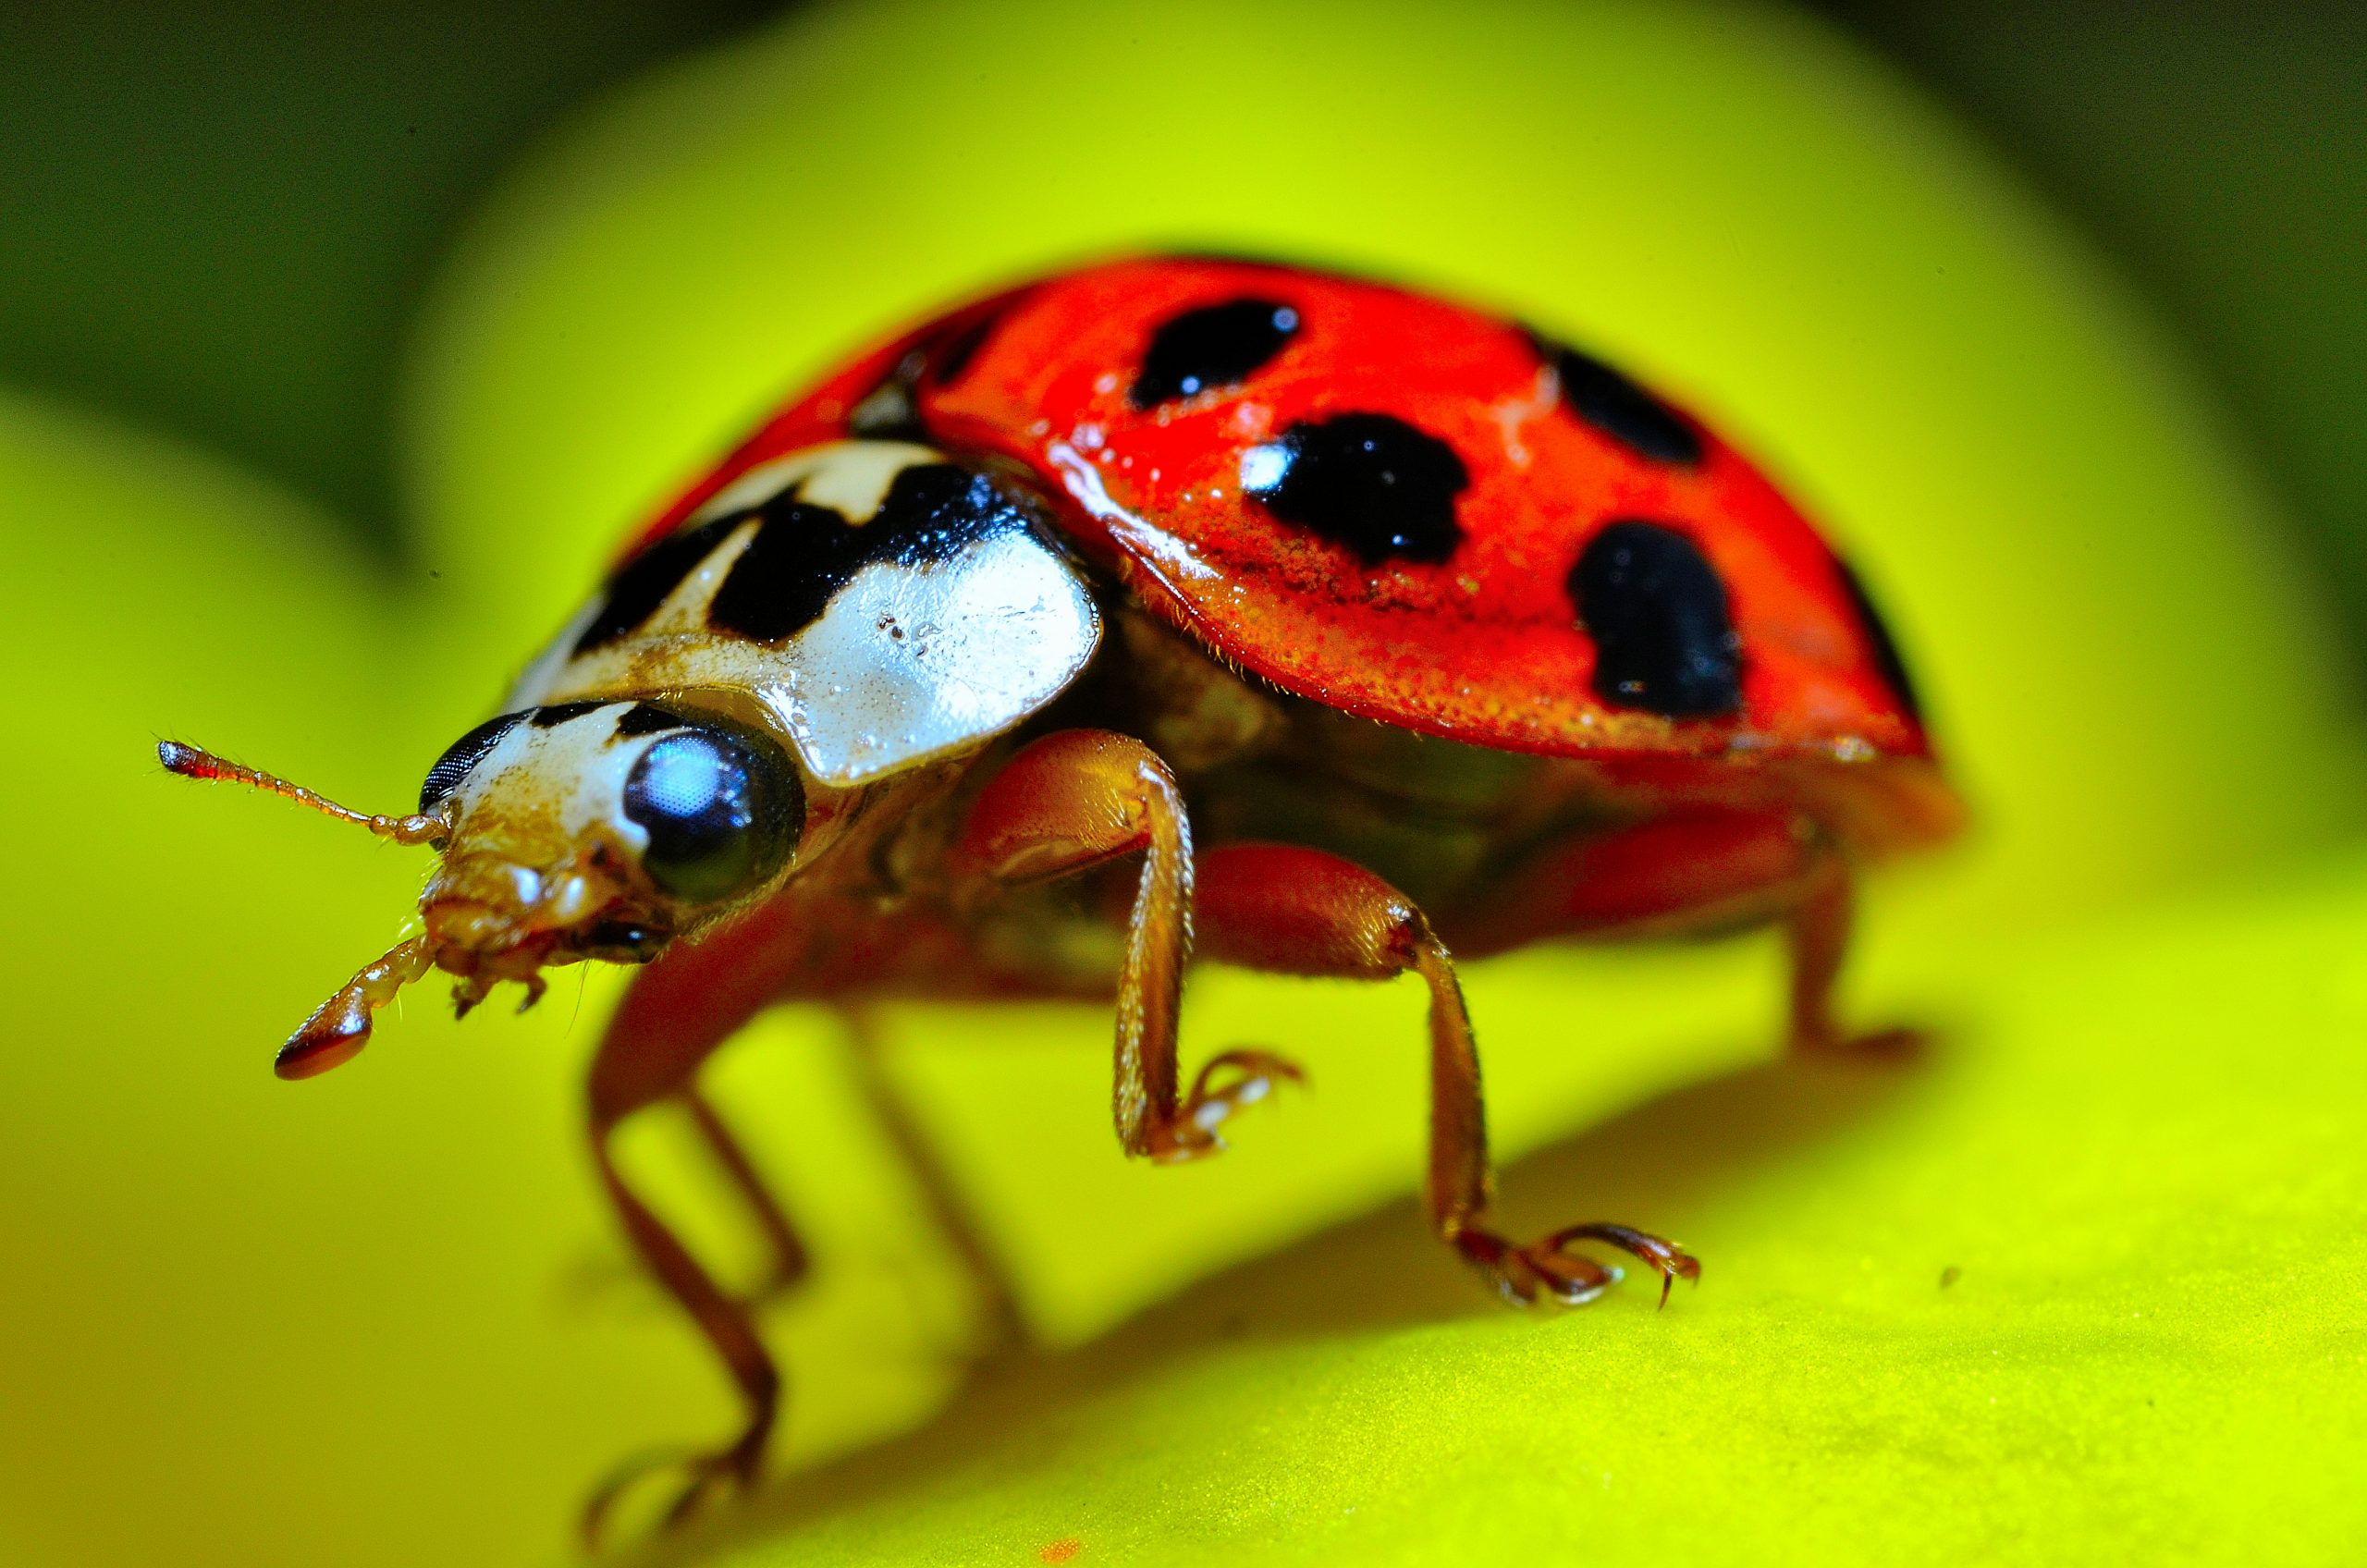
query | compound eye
(722,812)
(461,757)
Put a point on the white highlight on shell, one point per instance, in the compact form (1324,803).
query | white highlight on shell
(1262,468)
(923,661)
(1161,551)
(1514,414)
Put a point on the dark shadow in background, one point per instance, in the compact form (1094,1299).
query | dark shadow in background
(1376,1273)
(218,220)
(2216,150)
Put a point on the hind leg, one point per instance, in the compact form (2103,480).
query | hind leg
(1692,873)
(1816,932)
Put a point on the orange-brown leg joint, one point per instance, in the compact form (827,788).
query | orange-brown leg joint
(1296,910)
(1076,800)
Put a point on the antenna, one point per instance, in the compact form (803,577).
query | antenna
(192,762)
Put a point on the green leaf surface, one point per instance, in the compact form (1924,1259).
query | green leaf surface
(381,1318)
(2086,1282)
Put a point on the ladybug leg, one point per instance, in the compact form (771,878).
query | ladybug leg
(790,1261)
(1002,1325)
(678,1010)
(1699,873)
(728,1327)
(1302,911)
(1817,929)
(1077,799)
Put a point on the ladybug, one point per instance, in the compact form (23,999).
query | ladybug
(1170,608)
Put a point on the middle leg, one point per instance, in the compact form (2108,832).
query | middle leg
(1296,910)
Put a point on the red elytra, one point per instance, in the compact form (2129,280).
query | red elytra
(1484,647)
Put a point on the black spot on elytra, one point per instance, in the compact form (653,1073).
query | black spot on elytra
(643,582)
(1617,407)
(1663,639)
(1214,346)
(961,347)
(1372,483)
(557,714)
(802,555)
(1886,650)
(462,756)
(647,718)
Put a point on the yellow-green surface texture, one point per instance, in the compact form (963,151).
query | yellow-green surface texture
(380,1318)
(2086,1282)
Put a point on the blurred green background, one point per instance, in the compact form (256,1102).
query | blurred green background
(337,346)
(221,223)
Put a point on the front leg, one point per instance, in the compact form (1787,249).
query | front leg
(1078,799)
(678,1011)
(799,946)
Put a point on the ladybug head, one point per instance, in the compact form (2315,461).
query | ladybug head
(566,832)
